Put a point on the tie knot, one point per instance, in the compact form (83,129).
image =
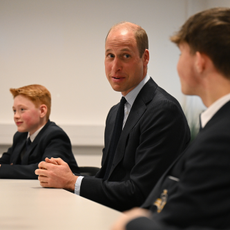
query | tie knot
(28,141)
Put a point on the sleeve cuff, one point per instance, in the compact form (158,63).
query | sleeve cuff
(78,185)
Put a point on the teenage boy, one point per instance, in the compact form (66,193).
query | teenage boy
(37,137)
(195,190)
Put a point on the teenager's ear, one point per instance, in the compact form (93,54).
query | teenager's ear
(43,110)
(200,63)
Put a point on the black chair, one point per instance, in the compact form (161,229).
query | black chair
(88,171)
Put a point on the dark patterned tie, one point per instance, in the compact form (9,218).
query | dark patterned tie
(116,135)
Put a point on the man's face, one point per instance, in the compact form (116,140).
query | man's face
(26,115)
(186,70)
(123,66)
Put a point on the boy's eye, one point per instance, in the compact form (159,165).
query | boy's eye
(22,109)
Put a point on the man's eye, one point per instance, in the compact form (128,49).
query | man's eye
(126,55)
(110,55)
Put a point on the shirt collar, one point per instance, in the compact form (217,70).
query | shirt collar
(32,137)
(131,96)
(211,110)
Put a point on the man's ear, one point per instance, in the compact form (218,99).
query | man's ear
(200,62)
(146,57)
(43,110)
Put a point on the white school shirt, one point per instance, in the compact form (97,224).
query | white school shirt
(212,109)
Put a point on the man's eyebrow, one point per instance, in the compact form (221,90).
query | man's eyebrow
(108,50)
(122,50)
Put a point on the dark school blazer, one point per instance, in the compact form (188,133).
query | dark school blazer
(51,141)
(155,133)
(197,184)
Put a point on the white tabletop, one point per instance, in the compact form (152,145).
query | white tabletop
(24,204)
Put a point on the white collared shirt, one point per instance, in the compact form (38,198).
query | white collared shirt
(212,109)
(33,136)
(131,96)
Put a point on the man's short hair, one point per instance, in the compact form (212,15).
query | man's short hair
(139,34)
(208,32)
(38,94)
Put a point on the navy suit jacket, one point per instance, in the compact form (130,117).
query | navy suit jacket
(197,183)
(155,133)
(51,141)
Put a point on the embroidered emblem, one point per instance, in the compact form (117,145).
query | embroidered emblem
(160,202)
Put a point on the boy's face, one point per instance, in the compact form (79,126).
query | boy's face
(186,70)
(26,115)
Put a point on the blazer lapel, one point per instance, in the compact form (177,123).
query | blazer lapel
(25,159)
(138,109)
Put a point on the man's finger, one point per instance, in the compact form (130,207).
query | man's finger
(43,165)
(41,172)
(59,161)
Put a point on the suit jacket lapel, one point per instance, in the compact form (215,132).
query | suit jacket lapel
(138,109)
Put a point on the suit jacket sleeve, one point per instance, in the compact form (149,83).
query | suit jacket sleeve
(50,142)
(153,143)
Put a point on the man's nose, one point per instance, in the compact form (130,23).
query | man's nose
(117,65)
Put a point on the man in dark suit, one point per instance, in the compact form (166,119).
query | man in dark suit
(37,137)
(155,130)
(194,191)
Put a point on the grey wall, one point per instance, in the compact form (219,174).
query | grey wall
(60,44)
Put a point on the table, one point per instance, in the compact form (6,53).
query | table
(24,204)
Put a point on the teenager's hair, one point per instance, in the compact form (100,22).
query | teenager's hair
(38,94)
(139,34)
(208,32)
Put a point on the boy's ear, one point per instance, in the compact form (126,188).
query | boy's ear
(43,110)
(200,62)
